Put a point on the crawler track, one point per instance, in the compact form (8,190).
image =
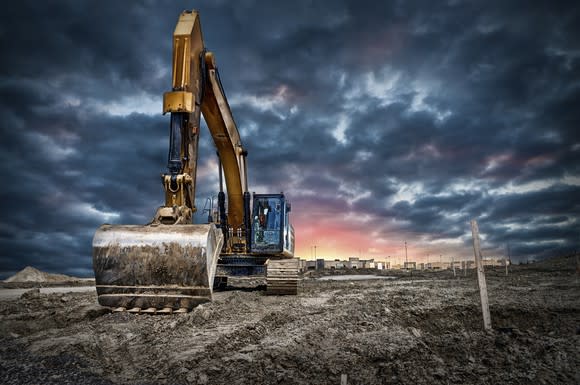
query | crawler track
(283,277)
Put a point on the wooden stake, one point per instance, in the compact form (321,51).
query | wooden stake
(577,267)
(343,379)
(480,276)
(453,263)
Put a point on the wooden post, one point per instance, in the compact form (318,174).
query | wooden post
(343,379)
(480,276)
(453,263)
(577,267)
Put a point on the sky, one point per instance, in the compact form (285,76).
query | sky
(383,122)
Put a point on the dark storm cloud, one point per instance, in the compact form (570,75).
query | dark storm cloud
(416,116)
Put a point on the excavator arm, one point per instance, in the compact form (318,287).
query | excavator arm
(197,87)
(226,137)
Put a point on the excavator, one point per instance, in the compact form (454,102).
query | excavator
(172,265)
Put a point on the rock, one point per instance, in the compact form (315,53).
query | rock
(91,312)
(501,340)
(440,372)
(30,294)
(198,379)
(415,332)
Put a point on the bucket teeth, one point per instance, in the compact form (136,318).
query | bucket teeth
(149,310)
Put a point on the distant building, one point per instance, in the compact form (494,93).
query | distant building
(336,264)
(494,262)
(307,265)
(456,264)
(357,263)
(467,265)
(383,265)
(368,263)
(354,263)
(436,266)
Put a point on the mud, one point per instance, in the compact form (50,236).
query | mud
(419,329)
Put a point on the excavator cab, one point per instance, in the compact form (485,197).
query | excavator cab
(271,230)
(271,248)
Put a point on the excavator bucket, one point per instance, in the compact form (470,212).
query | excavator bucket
(154,268)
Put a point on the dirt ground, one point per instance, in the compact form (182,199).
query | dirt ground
(420,329)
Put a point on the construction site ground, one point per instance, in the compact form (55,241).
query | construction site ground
(424,328)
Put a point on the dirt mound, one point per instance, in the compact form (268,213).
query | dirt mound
(30,274)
